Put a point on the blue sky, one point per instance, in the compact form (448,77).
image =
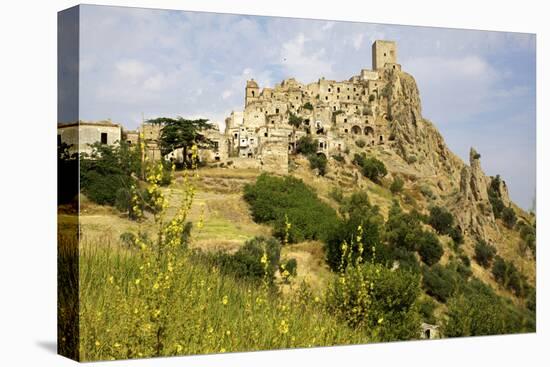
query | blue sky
(477,87)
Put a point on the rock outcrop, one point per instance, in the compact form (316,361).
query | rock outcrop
(472,208)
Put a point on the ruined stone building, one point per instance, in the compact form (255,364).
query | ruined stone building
(336,113)
(80,135)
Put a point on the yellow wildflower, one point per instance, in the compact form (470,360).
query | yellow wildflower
(283,327)
(225,300)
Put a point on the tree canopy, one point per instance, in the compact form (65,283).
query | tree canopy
(179,133)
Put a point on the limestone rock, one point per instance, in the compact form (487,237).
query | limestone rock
(472,208)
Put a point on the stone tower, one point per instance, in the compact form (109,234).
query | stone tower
(383,52)
(252,92)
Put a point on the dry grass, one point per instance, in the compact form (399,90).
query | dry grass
(312,267)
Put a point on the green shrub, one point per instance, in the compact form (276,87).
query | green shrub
(426,191)
(282,201)
(531,301)
(509,277)
(294,120)
(403,230)
(456,235)
(397,185)
(477,310)
(430,249)
(308,106)
(484,253)
(494,196)
(360,143)
(465,260)
(362,227)
(441,219)
(307,145)
(509,217)
(377,300)
(372,168)
(372,98)
(439,282)
(247,261)
(528,234)
(426,308)
(339,158)
(407,259)
(291,266)
(319,162)
(337,194)
(411,159)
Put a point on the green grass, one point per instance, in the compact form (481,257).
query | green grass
(115,319)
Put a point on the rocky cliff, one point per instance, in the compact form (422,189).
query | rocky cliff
(418,142)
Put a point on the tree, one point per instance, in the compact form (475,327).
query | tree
(371,167)
(403,230)
(484,253)
(319,162)
(306,145)
(430,249)
(441,219)
(182,133)
(294,120)
(362,227)
(509,217)
(440,282)
(378,300)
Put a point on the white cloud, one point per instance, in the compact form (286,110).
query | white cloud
(309,64)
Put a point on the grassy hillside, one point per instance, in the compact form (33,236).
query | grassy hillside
(203,312)
(207,311)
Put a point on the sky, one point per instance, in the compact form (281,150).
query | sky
(477,87)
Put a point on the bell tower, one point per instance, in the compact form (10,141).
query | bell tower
(252,92)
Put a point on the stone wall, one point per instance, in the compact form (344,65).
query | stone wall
(80,136)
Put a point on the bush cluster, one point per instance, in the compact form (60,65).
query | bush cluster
(397,185)
(295,120)
(509,277)
(361,228)
(443,222)
(108,173)
(440,282)
(339,158)
(484,253)
(291,207)
(319,162)
(247,261)
(371,167)
(360,143)
(528,234)
(477,310)
(404,232)
(509,217)
(308,106)
(307,146)
(379,301)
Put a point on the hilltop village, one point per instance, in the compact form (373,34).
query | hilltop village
(336,113)
(377,111)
